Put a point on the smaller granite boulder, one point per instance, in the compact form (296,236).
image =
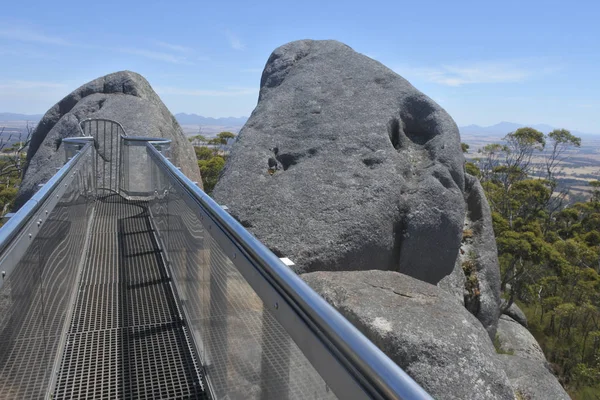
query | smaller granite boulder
(420,327)
(531,380)
(455,283)
(516,339)
(514,312)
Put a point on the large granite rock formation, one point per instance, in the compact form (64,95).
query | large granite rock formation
(370,170)
(125,97)
(346,168)
(442,347)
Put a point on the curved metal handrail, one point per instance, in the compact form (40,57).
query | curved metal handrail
(380,376)
(103,120)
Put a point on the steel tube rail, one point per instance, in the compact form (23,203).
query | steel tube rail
(145,139)
(379,376)
(14,225)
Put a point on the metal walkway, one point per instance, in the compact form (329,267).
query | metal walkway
(121,279)
(127,339)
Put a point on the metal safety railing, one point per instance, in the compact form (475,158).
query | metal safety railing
(257,328)
(254,320)
(40,256)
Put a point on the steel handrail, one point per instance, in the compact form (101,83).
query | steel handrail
(383,377)
(16,223)
(145,139)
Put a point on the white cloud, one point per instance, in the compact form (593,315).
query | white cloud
(227,92)
(174,47)
(155,55)
(481,72)
(28,35)
(25,85)
(32,36)
(234,40)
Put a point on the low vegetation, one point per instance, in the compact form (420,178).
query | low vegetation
(549,251)
(12,162)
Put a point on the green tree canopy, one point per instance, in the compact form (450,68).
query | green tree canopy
(549,254)
(223,137)
(210,171)
(203,153)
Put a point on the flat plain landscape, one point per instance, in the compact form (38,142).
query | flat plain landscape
(578,167)
(14,131)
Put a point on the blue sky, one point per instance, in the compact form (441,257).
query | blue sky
(485,62)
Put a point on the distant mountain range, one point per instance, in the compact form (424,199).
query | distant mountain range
(182,118)
(504,127)
(194,119)
(20,117)
(499,129)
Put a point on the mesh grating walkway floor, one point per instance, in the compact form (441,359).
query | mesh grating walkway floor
(126,338)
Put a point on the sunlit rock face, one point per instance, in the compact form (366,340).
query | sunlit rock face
(443,347)
(348,170)
(344,165)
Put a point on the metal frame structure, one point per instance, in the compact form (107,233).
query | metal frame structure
(351,365)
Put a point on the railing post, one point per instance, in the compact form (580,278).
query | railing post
(74,144)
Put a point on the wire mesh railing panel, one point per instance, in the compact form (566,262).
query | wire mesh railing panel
(165,283)
(245,351)
(35,297)
(135,165)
